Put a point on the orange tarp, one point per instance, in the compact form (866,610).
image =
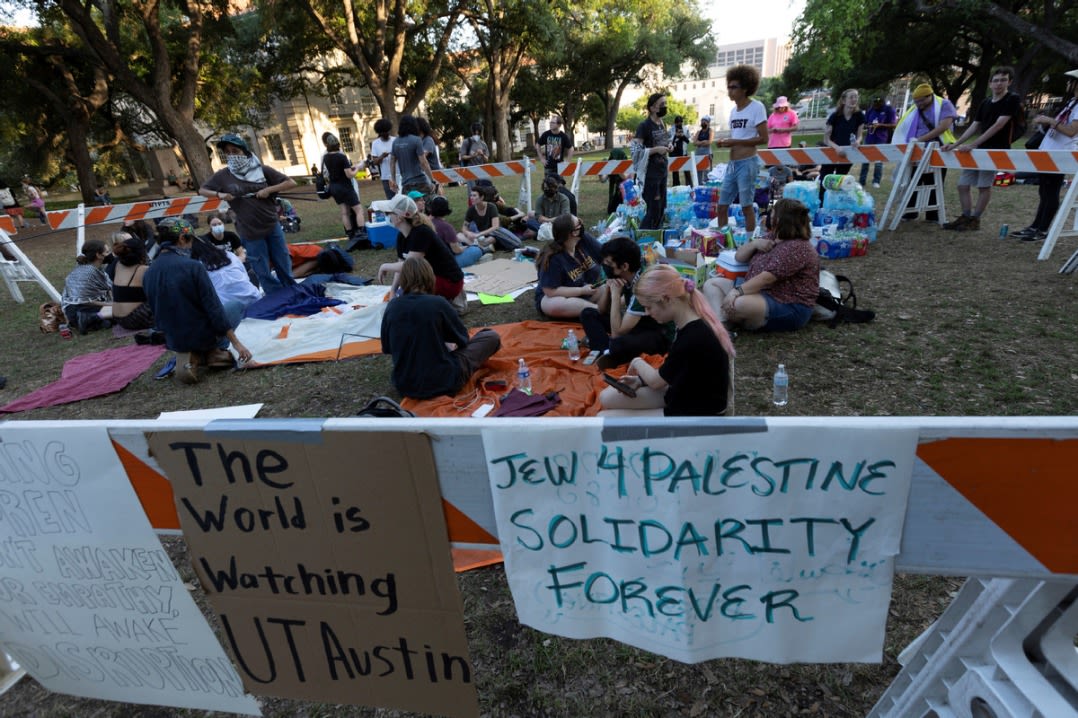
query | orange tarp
(539,343)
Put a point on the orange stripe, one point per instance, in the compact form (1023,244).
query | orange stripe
(1025,486)
(802,157)
(138,211)
(462,528)
(98,215)
(517,168)
(176,208)
(1043,162)
(873,153)
(7,224)
(57,218)
(153,490)
(1001,161)
(965,159)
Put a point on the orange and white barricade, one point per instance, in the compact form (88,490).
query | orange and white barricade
(604,168)
(16,267)
(494,170)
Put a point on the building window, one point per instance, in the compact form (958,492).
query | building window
(711,109)
(345,135)
(276,149)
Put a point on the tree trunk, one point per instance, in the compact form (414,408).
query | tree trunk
(501,129)
(78,151)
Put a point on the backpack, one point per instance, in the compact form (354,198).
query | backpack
(334,260)
(505,240)
(837,303)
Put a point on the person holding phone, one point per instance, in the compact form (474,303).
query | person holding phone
(695,378)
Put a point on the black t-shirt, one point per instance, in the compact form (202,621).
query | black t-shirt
(679,141)
(336,163)
(653,134)
(1007,106)
(482,221)
(555,143)
(841,128)
(697,370)
(415,328)
(228,240)
(424,239)
(564,270)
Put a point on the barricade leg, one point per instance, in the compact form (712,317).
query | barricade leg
(976,659)
(10,671)
(1069,204)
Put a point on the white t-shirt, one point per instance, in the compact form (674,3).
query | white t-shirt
(1055,140)
(378,147)
(743,122)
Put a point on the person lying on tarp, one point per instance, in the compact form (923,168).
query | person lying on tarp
(619,327)
(432,354)
(186,307)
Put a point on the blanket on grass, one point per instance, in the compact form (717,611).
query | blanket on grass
(90,375)
(539,343)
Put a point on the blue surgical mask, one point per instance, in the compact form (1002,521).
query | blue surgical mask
(218,230)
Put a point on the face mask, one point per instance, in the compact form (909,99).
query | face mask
(550,192)
(475,138)
(661,113)
(218,230)
(238,163)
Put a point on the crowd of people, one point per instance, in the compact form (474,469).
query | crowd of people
(194,293)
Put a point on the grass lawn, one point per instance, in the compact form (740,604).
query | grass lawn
(966,324)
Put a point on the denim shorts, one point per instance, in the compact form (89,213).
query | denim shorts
(740,181)
(784,317)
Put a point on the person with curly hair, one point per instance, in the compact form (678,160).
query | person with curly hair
(748,129)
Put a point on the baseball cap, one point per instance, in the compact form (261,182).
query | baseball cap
(706,118)
(233,139)
(400,204)
(416,194)
(781,101)
(922,90)
(439,207)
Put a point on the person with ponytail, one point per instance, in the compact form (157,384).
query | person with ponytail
(695,378)
(87,297)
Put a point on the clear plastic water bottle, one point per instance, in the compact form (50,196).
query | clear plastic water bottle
(781,395)
(524,378)
(573,345)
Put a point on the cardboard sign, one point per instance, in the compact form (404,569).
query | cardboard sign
(90,603)
(326,558)
(775,545)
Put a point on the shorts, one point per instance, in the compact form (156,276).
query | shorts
(740,181)
(445,288)
(13,211)
(344,193)
(977,178)
(784,317)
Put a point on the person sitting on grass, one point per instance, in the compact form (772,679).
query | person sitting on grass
(87,296)
(619,327)
(186,307)
(569,271)
(481,219)
(695,378)
(129,306)
(416,238)
(432,354)
(465,252)
(780,289)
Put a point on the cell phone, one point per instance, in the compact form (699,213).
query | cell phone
(495,385)
(619,385)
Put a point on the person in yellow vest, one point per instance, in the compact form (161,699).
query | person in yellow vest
(929,120)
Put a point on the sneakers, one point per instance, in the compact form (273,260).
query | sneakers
(1023,233)
(964,223)
(876,185)
(1035,236)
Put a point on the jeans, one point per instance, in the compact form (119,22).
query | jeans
(654,197)
(877,172)
(267,254)
(469,256)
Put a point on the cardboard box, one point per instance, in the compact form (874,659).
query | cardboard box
(689,263)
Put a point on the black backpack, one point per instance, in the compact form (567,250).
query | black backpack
(384,408)
(842,308)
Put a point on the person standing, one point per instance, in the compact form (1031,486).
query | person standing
(650,149)
(37,199)
(702,145)
(430,148)
(843,129)
(248,186)
(554,146)
(781,124)
(381,149)
(930,119)
(994,126)
(880,119)
(748,129)
(342,189)
(679,139)
(1061,133)
(474,151)
(409,159)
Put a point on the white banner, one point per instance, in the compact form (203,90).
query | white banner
(774,545)
(90,603)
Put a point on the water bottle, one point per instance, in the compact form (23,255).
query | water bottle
(573,346)
(781,387)
(524,378)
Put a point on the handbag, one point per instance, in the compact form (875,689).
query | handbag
(1034,141)
(385,408)
(321,184)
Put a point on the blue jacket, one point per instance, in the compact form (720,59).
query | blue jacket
(185,305)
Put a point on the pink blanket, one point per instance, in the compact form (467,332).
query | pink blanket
(90,375)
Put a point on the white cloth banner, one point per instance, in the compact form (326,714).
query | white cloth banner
(90,603)
(775,545)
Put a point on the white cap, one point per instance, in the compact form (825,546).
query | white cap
(400,204)
(706,118)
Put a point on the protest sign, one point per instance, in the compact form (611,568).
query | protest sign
(326,558)
(774,545)
(90,603)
